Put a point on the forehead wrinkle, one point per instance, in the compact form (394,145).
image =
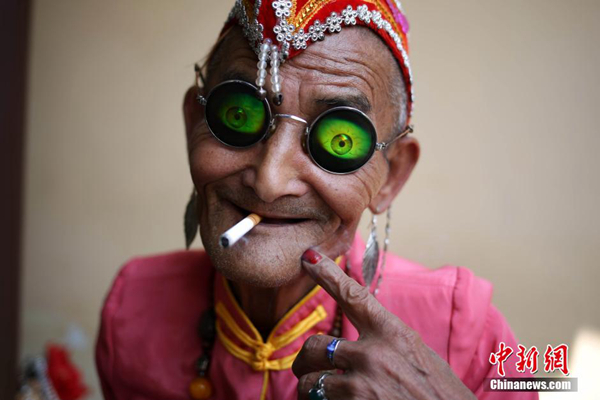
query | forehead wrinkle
(372,75)
(243,68)
(325,69)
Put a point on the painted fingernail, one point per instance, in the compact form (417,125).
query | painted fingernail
(311,256)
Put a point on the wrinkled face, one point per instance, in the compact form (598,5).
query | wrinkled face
(303,206)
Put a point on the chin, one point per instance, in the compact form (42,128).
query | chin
(255,265)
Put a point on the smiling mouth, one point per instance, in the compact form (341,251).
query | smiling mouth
(266,220)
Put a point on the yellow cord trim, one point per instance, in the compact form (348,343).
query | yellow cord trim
(318,315)
(294,309)
(257,364)
(263,392)
(222,312)
(259,360)
(239,310)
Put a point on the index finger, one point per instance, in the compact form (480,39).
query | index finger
(360,306)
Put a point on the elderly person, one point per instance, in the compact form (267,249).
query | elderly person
(300,118)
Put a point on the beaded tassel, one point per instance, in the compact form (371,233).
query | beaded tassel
(201,387)
(263,59)
(336,331)
(269,52)
(275,77)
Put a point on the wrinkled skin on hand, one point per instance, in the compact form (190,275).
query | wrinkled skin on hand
(388,361)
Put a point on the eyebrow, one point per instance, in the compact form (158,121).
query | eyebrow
(237,75)
(359,101)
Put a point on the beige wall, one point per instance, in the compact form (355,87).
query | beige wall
(507,114)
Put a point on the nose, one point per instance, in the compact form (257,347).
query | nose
(278,168)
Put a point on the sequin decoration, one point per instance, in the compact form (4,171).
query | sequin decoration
(290,33)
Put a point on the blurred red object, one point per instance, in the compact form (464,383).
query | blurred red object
(65,377)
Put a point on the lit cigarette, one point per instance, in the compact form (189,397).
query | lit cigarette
(238,230)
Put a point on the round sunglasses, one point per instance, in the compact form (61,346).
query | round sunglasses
(340,140)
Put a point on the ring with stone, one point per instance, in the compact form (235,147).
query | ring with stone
(317,392)
(331,348)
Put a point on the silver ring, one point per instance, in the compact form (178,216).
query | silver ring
(331,348)
(317,392)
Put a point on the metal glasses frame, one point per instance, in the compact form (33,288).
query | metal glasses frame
(378,146)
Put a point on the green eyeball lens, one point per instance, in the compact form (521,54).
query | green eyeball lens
(235,115)
(341,144)
(342,141)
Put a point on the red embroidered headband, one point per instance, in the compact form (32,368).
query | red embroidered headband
(281,29)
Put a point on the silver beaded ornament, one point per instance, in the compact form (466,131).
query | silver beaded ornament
(275,77)
(269,53)
(263,60)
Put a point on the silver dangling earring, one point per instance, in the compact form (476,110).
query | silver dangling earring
(190,220)
(371,256)
(263,59)
(386,242)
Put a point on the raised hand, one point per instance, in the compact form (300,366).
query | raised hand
(388,361)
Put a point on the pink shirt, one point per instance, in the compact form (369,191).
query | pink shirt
(148,342)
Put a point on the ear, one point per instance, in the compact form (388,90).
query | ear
(402,158)
(192,110)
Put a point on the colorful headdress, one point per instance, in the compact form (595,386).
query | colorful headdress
(280,29)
